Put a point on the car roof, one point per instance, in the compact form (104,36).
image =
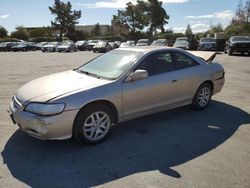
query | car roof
(147,49)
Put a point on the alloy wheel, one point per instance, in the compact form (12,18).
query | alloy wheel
(96,125)
(204,96)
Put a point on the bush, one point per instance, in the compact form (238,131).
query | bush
(42,39)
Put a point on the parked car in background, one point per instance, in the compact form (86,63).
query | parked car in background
(117,44)
(6,46)
(50,47)
(81,45)
(112,44)
(102,46)
(239,44)
(183,44)
(207,44)
(91,44)
(40,45)
(182,39)
(143,42)
(67,46)
(125,45)
(131,42)
(123,84)
(160,42)
(26,46)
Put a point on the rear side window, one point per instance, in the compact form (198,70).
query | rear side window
(183,61)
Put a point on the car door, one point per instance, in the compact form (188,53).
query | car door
(153,92)
(190,74)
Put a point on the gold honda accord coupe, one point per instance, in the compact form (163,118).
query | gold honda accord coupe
(122,84)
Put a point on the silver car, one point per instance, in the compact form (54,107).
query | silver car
(122,84)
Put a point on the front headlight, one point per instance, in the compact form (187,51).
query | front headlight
(45,109)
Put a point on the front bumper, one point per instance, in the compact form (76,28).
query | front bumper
(63,49)
(240,49)
(218,85)
(56,127)
(49,49)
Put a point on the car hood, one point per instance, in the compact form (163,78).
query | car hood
(46,88)
(207,42)
(64,46)
(180,45)
(241,42)
(19,46)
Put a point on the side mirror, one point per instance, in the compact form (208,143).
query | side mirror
(137,75)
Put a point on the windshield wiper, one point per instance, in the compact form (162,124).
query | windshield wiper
(87,73)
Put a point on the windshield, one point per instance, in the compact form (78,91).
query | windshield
(241,38)
(207,40)
(52,43)
(182,39)
(65,44)
(143,41)
(125,44)
(111,65)
(181,42)
(159,42)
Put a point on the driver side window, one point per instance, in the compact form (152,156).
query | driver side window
(158,63)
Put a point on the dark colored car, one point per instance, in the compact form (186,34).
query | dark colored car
(207,44)
(143,42)
(239,44)
(40,45)
(67,47)
(6,46)
(160,42)
(24,47)
(102,46)
(81,45)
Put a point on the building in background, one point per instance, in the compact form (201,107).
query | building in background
(114,28)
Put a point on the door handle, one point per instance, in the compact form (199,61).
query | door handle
(174,80)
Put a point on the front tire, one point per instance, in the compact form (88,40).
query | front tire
(202,97)
(93,124)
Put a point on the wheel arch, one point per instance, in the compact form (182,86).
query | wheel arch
(101,101)
(208,82)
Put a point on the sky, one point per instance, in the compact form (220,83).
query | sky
(200,14)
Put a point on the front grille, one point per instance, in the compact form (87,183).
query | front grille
(243,45)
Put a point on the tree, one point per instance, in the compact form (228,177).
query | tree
(242,14)
(134,16)
(188,31)
(65,17)
(157,16)
(96,30)
(217,28)
(41,32)
(3,32)
(240,23)
(20,33)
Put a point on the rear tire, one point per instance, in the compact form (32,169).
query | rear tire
(93,124)
(202,96)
